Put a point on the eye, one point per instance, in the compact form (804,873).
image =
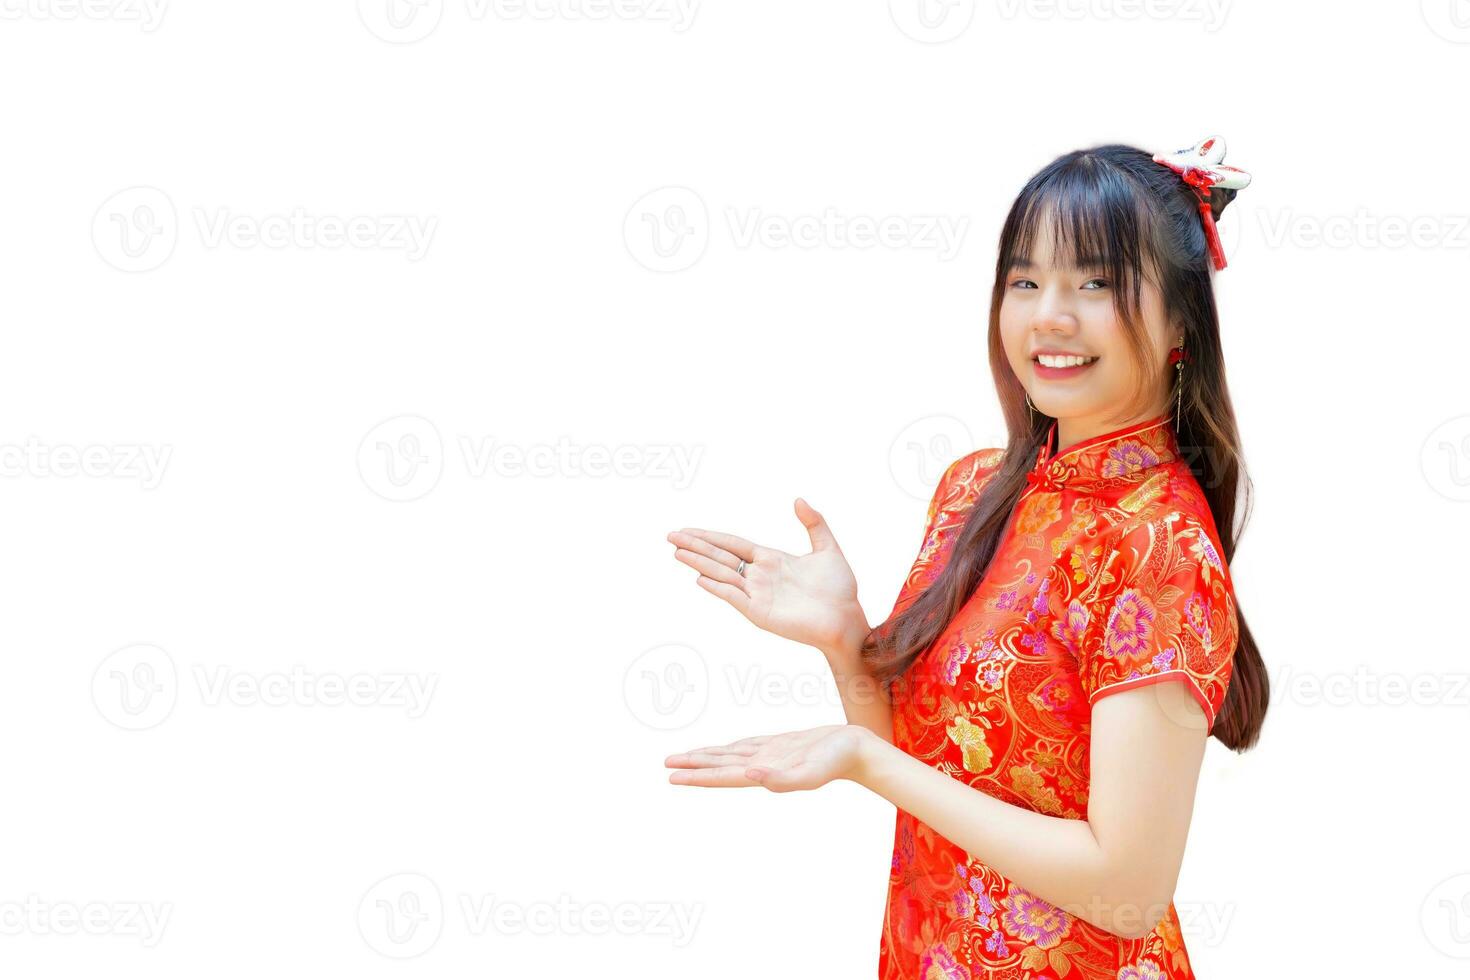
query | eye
(1017,284)
(1096,279)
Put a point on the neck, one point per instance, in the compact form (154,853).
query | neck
(1071,431)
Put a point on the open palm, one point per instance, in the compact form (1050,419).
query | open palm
(781,763)
(809,598)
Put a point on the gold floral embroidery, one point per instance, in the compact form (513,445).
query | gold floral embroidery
(1110,572)
(971,740)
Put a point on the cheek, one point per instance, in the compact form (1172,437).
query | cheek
(1013,336)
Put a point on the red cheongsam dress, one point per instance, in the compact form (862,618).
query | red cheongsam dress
(1108,577)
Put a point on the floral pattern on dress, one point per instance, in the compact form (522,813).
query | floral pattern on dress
(1108,577)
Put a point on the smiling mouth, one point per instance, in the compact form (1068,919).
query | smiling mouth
(1062,360)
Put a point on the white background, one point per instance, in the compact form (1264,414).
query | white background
(272,381)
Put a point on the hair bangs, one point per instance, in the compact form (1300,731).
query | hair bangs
(1094,218)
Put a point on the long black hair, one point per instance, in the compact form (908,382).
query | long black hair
(1135,218)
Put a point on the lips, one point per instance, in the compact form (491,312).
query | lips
(1070,368)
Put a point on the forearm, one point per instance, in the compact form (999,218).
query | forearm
(863,699)
(1057,859)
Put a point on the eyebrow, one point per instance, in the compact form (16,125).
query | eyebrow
(1021,262)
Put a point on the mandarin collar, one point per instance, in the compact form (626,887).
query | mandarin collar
(1121,458)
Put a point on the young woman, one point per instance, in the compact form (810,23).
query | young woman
(1038,701)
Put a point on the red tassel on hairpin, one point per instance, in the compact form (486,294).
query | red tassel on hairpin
(1200,167)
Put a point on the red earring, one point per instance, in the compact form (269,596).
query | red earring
(1177,357)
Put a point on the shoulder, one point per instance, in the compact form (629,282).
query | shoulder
(960,485)
(1171,554)
(973,469)
(1175,516)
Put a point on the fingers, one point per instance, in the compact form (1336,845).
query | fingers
(700,546)
(816,526)
(707,758)
(731,544)
(710,568)
(722,776)
(742,748)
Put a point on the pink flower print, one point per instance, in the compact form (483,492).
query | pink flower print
(1163,660)
(938,963)
(1058,694)
(1128,457)
(1197,611)
(903,855)
(958,654)
(1068,628)
(964,904)
(1130,625)
(1006,600)
(1033,919)
(996,946)
(1144,969)
(1211,555)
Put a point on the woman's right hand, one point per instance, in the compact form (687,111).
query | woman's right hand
(808,598)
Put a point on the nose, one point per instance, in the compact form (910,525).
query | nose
(1053,313)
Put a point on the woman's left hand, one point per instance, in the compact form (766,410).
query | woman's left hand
(781,763)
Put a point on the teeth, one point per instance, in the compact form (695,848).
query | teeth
(1062,361)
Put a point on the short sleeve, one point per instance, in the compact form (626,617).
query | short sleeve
(959,487)
(1165,611)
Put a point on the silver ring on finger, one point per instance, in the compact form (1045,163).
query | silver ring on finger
(740,570)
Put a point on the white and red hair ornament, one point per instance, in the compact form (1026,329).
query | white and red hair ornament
(1214,184)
